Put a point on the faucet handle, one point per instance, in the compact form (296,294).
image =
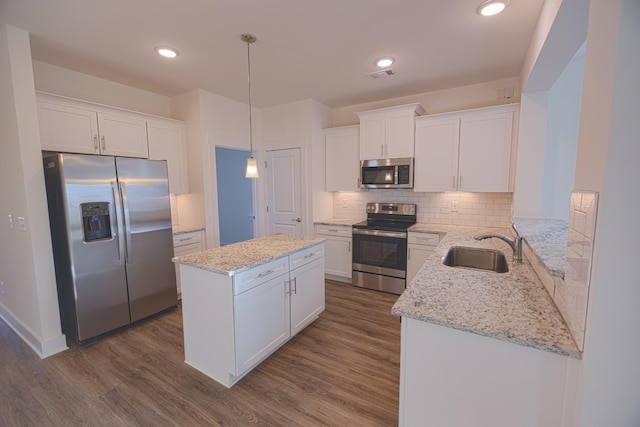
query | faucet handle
(518,235)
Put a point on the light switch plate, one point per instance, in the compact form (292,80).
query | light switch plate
(11,222)
(454,206)
(22,225)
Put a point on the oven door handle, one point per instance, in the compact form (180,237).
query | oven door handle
(380,233)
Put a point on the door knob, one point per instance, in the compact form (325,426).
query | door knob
(297,220)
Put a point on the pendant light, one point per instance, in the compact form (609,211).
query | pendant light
(252,163)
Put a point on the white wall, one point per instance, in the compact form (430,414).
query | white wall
(607,161)
(565,98)
(608,155)
(212,120)
(527,196)
(440,101)
(300,124)
(28,298)
(72,84)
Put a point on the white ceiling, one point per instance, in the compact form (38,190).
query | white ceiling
(305,49)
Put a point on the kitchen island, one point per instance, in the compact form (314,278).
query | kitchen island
(482,348)
(243,301)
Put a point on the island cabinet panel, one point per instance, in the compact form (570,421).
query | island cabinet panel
(207,317)
(232,323)
(307,294)
(261,321)
(455,378)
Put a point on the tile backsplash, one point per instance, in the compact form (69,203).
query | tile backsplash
(571,294)
(455,208)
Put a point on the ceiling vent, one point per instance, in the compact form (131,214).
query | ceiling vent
(382,73)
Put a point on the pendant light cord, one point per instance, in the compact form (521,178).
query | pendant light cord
(249,38)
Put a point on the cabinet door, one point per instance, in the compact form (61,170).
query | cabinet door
(167,142)
(436,161)
(67,129)
(307,294)
(485,152)
(372,138)
(338,256)
(122,136)
(342,159)
(261,322)
(399,136)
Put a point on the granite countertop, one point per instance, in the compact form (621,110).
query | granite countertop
(512,306)
(232,259)
(181,229)
(547,238)
(339,221)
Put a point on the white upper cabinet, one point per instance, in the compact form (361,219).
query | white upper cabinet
(342,162)
(167,142)
(388,133)
(465,150)
(72,126)
(436,161)
(68,129)
(122,135)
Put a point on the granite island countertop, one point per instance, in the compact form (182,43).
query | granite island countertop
(232,259)
(513,306)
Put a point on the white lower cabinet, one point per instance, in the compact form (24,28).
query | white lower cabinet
(232,323)
(456,378)
(184,244)
(420,246)
(338,251)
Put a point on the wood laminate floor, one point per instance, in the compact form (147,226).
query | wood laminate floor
(342,370)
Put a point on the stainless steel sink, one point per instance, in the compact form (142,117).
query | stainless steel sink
(477,258)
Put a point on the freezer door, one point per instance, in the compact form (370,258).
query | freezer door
(89,253)
(149,240)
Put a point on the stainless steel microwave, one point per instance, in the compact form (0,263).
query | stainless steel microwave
(386,173)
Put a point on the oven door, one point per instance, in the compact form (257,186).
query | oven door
(380,260)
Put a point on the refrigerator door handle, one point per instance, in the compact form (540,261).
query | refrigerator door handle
(127,219)
(118,212)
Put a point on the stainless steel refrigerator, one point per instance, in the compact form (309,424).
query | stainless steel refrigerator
(110,221)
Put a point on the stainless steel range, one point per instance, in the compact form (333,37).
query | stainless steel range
(380,247)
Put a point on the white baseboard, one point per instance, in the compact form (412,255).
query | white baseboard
(45,348)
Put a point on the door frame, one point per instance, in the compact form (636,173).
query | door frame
(286,144)
(212,219)
(253,191)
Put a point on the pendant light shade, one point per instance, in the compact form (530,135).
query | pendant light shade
(252,168)
(252,163)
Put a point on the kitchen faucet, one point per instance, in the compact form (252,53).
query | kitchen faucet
(515,243)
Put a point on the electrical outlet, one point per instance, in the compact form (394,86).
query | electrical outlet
(11,222)
(345,204)
(22,225)
(1,287)
(454,206)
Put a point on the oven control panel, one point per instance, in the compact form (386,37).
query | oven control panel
(391,208)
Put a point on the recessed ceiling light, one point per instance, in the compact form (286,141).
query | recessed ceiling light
(384,62)
(492,7)
(167,52)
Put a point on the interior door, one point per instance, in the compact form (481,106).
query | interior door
(236,215)
(284,191)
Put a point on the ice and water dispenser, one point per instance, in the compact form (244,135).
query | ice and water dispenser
(96,222)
